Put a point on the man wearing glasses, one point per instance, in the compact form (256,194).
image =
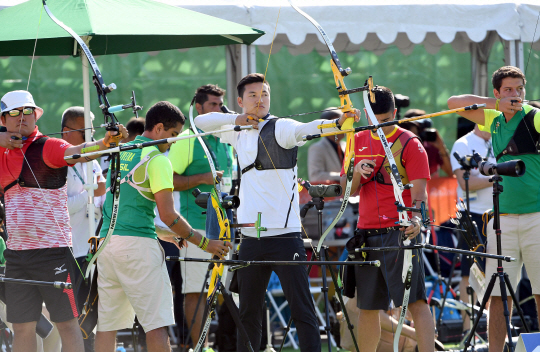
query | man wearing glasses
(78,184)
(33,175)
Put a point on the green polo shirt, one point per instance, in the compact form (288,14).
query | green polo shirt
(135,212)
(521,195)
(188,158)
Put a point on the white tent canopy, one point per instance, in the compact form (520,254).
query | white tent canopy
(352,24)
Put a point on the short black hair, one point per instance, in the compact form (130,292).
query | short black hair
(166,113)
(504,72)
(331,113)
(73,113)
(201,94)
(135,126)
(384,100)
(251,78)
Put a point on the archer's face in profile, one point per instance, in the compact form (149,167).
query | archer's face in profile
(213,104)
(162,133)
(23,124)
(256,99)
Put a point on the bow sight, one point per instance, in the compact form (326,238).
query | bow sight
(117,108)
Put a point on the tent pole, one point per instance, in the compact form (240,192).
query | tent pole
(90,178)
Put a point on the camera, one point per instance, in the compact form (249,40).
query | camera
(401,101)
(428,135)
(321,191)
(512,168)
(324,191)
(469,161)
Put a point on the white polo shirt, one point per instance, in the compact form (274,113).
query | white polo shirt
(480,199)
(77,200)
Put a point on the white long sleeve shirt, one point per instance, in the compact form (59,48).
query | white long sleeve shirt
(274,193)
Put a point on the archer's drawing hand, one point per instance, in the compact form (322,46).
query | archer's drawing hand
(11,140)
(246,120)
(510,105)
(365,167)
(219,248)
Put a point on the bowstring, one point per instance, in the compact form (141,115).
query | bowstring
(532,42)
(371,137)
(34,51)
(26,160)
(269,157)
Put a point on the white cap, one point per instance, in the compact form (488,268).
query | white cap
(18,99)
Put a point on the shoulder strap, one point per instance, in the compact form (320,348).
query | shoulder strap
(525,140)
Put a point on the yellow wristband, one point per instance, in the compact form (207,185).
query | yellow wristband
(497,104)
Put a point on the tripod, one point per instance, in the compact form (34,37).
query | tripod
(504,281)
(466,174)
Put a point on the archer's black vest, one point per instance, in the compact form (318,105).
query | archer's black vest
(39,174)
(525,139)
(282,158)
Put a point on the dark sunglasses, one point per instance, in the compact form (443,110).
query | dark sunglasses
(25,111)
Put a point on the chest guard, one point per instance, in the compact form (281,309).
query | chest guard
(35,173)
(525,139)
(382,175)
(270,155)
(138,176)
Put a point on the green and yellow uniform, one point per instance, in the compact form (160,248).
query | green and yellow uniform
(136,209)
(521,195)
(188,158)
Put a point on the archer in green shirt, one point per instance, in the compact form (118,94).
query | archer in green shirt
(515,132)
(146,182)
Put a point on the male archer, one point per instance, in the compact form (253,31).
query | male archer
(133,278)
(377,216)
(191,171)
(515,131)
(33,175)
(267,156)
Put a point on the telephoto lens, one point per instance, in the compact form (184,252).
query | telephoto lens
(512,168)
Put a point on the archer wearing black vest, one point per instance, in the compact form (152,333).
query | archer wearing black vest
(267,158)
(514,128)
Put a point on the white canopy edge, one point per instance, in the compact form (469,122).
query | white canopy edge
(355,24)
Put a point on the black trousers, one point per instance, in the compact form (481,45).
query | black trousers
(253,281)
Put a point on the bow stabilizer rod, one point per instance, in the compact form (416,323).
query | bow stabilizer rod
(395,122)
(55,284)
(243,263)
(121,148)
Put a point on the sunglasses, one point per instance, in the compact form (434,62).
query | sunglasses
(25,111)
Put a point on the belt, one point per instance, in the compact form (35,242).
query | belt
(374,232)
